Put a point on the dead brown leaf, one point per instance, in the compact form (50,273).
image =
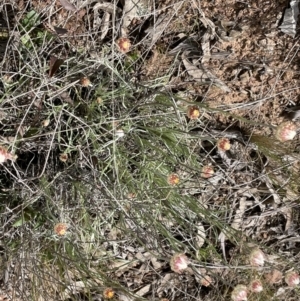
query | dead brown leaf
(201,235)
(129,13)
(68,5)
(162,23)
(108,7)
(105,25)
(203,75)
(144,290)
(54,64)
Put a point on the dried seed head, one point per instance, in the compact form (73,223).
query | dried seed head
(99,100)
(239,293)
(131,195)
(7,79)
(206,280)
(179,262)
(63,157)
(193,112)
(5,155)
(60,229)
(45,122)
(108,293)
(223,144)
(207,172)
(275,276)
(286,131)
(173,179)
(124,44)
(85,82)
(256,286)
(257,258)
(292,279)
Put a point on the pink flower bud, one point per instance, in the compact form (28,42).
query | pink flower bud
(173,179)
(179,262)
(239,293)
(124,44)
(256,286)
(5,155)
(286,131)
(85,82)
(193,112)
(63,157)
(257,258)
(223,144)
(60,229)
(108,293)
(292,279)
(207,172)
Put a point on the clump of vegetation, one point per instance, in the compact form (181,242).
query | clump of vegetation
(135,163)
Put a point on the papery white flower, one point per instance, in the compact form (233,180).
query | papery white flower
(256,286)
(239,293)
(292,279)
(5,155)
(179,262)
(286,131)
(257,258)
